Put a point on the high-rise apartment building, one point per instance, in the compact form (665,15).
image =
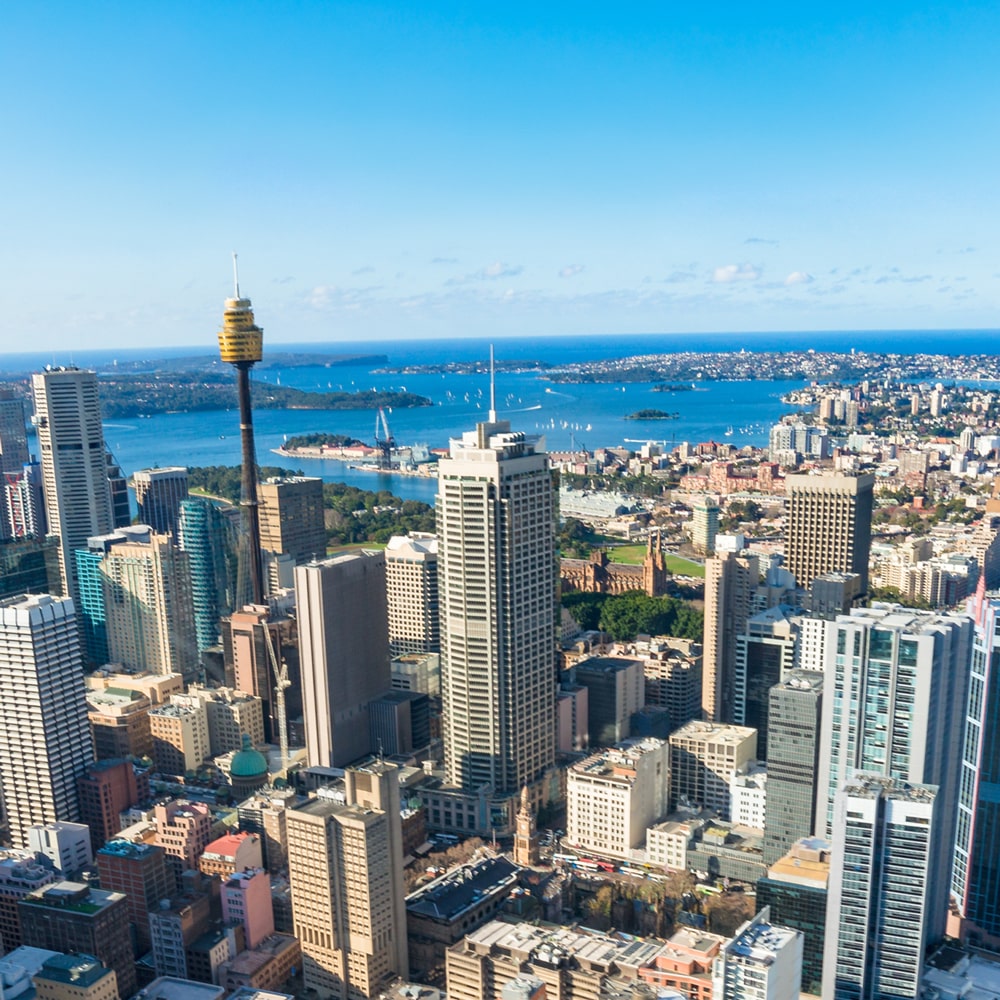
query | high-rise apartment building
(72,917)
(158,495)
(344,652)
(794,727)
(976,875)
(894,705)
(136,603)
(884,889)
(411,578)
(345,858)
(78,500)
(183,830)
(731,579)
(497,588)
(44,738)
(828,526)
(704,524)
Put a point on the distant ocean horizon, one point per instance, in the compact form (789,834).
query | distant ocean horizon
(552,348)
(566,415)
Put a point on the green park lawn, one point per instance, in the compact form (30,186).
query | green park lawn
(635,554)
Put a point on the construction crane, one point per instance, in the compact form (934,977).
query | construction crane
(281,682)
(384,440)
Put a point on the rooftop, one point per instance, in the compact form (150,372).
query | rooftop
(451,894)
(77,970)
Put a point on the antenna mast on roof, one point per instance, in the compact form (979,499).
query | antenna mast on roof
(236,275)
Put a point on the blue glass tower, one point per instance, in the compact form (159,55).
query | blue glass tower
(205,534)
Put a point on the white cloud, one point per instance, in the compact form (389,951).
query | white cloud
(570,271)
(498,269)
(729,273)
(799,278)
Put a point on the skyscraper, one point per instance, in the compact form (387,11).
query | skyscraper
(885,893)
(792,761)
(828,527)
(497,590)
(158,494)
(206,535)
(13,432)
(345,865)
(976,875)
(411,576)
(731,578)
(135,594)
(344,652)
(894,706)
(291,517)
(74,466)
(44,738)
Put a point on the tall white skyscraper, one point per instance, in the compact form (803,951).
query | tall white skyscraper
(893,704)
(884,891)
(44,737)
(74,465)
(497,591)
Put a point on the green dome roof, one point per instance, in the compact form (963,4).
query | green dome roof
(248,763)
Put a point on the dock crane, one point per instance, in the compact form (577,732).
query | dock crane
(281,682)
(384,440)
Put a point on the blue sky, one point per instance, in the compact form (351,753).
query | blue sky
(450,169)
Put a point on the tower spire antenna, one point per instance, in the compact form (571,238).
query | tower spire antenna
(236,274)
(493,390)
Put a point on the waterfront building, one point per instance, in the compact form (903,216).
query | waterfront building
(731,579)
(344,650)
(614,795)
(828,526)
(142,873)
(72,917)
(206,535)
(763,961)
(794,720)
(78,501)
(795,889)
(976,874)
(345,861)
(497,578)
(886,897)
(704,757)
(44,739)
(896,700)
(158,495)
(411,579)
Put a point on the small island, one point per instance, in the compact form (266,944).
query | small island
(672,387)
(652,415)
